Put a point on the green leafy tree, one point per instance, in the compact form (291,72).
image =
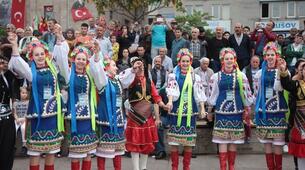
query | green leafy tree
(2,32)
(134,10)
(197,19)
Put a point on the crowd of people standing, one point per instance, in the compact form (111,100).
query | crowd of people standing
(109,89)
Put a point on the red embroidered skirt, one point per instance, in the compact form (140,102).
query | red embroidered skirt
(296,146)
(141,138)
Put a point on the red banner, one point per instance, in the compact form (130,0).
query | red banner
(18,13)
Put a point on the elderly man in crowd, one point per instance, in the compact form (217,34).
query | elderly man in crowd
(204,72)
(159,77)
(252,69)
(167,62)
(197,48)
(215,44)
(241,43)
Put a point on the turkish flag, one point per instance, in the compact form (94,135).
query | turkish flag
(81,13)
(18,13)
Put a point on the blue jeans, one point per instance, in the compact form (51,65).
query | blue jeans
(154,52)
(160,146)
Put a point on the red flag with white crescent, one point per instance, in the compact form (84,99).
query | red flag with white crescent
(18,13)
(80,12)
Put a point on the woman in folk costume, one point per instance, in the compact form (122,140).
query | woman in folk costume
(81,103)
(231,96)
(270,108)
(141,131)
(44,117)
(185,92)
(296,87)
(110,119)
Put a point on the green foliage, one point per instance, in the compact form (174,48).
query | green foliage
(197,19)
(2,32)
(135,10)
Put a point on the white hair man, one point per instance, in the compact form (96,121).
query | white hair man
(204,72)
(167,62)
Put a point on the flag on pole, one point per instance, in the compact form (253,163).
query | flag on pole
(79,11)
(18,13)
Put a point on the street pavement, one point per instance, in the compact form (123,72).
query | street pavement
(202,162)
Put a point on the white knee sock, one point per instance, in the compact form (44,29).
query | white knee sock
(301,163)
(135,160)
(23,133)
(143,161)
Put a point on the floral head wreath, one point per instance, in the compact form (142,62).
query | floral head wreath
(225,51)
(36,43)
(272,46)
(182,52)
(81,49)
(135,59)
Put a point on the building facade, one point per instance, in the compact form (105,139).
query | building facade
(61,11)
(286,14)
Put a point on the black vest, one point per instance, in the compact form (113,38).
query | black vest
(154,76)
(136,93)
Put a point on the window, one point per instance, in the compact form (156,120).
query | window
(265,10)
(216,11)
(225,12)
(301,7)
(189,9)
(276,10)
(49,12)
(290,9)
(198,8)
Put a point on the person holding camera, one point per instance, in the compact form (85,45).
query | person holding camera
(262,35)
(158,28)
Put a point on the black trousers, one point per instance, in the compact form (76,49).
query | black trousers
(7,143)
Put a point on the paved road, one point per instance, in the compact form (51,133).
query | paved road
(204,162)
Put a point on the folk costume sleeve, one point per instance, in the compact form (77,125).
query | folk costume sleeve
(127,77)
(277,82)
(154,93)
(172,88)
(213,89)
(256,84)
(98,73)
(20,67)
(247,91)
(60,56)
(199,90)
